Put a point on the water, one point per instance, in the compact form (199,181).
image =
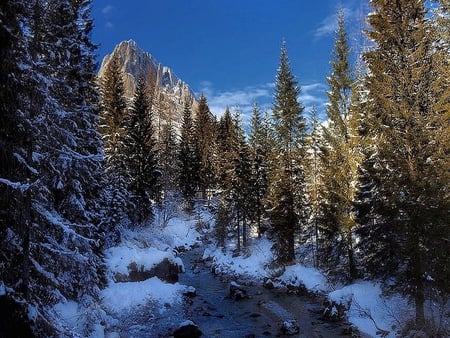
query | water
(261,315)
(219,316)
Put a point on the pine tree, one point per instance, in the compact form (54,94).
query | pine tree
(409,199)
(20,96)
(112,128)
(287,176)
(140,158)
(57,235)
(241,184)
(205,130)
(339,162)
(227,148)
(314,182)
(259,145)
(188,158)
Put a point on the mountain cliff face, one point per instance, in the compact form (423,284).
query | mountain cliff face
(167,90)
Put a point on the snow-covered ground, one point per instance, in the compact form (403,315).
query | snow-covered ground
(369,309)
(144,247)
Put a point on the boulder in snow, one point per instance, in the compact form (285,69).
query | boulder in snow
(187,329)
(290,327)
(190,292)
(165,270)
(237,292)
(335,311)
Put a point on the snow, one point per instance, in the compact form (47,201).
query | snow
(120,296)
(298,275)
(68,312)
(369,309)
(254,265)
(118,259)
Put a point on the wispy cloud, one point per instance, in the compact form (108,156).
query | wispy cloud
(107,9)
(312,94)
(109,25)
(329,25)
(243,98)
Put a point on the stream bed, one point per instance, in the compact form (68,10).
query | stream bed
(217,315)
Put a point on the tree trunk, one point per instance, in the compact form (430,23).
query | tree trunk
(351,258)
(420,309)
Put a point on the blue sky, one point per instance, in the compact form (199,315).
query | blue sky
(229,49)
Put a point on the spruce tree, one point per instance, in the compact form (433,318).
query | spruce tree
(188,158)
(241,184)
(227,148)
(287,174)
(259,146)
(205,131)
(314,182)
(140,158)
(339,163)
(409,200)
(112,128)
(57,235)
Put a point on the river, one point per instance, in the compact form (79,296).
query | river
(261,315)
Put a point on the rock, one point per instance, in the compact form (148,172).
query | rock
(187,329)
(190,292)
(290,327)
(237,292)
(268,284)
(334,311)
(165,270)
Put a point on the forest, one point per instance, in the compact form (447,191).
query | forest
(366,192)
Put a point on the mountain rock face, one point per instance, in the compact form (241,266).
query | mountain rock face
(167,91)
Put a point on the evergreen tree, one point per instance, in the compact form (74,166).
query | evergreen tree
(241,184)
(409,197)
(168,157)
(18,105)
(287,176)
(140,159)
(205,131)
(227,148)
(259,145)
(314,182)
(56,242)
(112,128)
(188,158)
(339,163)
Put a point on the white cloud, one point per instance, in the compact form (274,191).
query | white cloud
(107,9)
(109,25)
(329,25)
(312,94)
(244,98)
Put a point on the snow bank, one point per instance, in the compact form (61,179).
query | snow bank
(250,266)
(119,296)
(370,310)
(298,275)
(119,258)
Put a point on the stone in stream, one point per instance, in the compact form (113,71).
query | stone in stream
(290,327)
(165,270)
(190,292)
(187,329)
(237,292)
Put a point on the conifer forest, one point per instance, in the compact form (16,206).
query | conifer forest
(362,195)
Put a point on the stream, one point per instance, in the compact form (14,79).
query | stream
(217,315)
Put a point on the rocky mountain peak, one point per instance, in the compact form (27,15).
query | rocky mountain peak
(169,92)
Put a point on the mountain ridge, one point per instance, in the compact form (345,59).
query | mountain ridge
(168,91)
